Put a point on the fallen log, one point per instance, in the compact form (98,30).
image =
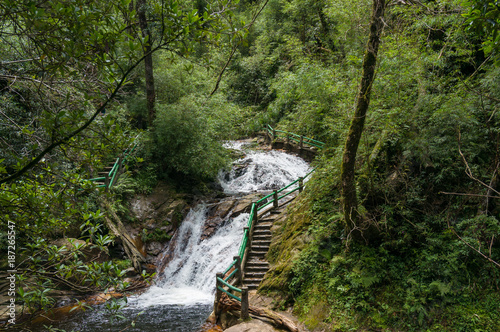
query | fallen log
(118,229)
(227,304)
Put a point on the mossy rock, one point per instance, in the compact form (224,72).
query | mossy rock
(289,239)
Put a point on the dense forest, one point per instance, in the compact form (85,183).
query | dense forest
(398,229)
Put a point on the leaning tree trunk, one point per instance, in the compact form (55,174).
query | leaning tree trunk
(117,228)
(349,195)
(148,61)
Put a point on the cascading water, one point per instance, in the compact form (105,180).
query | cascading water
(189,277)
(182,296)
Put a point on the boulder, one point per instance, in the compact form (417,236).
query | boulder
(254,325)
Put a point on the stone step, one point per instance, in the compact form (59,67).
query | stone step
(252,286)
(256,268)
(254,275)
(257,261)
(261,242)
(253,280)
(256,247)
(264,225)
(264,238)
(259,231)
(257,254)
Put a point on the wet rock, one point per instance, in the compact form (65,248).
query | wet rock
(244,204)
(149,268)
(154,248)
(223,208)
(130,272)
(254,325)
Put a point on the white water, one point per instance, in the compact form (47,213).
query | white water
(189,278)
(264,171)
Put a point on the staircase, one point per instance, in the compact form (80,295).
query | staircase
(256,265)
(105,172)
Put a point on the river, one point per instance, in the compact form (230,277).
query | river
(182,297)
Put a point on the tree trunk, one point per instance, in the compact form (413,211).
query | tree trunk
(148,61)
(116,227)
(349,195)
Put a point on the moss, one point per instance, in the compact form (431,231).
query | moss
(289,238)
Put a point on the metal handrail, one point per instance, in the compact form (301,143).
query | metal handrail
(307,140)
(113,173)
(247,232)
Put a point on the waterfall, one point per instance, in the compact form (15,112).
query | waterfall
(182,296)
(189,278)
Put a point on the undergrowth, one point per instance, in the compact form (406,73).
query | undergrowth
(419,277)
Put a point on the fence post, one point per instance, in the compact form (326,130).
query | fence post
(106,182)
(244,303)
(301,184)
(288,141)
(301,142)
(218,293)
(237,266)
(249,241)
(275,199)
(274,134)
(118,170)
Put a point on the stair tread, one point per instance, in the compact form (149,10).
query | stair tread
(253,280)
(261,231)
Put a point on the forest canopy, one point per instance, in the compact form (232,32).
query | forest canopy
(80,79)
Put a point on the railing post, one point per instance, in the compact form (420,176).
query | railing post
(274,134)
(118,170)
(218,293)
(301,142)
(244,303)
(106,182)
(275,199)
(249,241)
(288,141)
(237,266)
(301,184)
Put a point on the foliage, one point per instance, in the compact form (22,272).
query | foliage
(69,68)
(484,17)
(428,161)
(182,142)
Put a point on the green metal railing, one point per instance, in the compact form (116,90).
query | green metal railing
(237,266)
(111,178)
(300,139)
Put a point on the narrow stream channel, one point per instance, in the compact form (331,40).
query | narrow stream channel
(182,297)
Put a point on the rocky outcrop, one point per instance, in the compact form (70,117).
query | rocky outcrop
(159,215)
(254,325)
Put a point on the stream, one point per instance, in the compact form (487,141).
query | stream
(182,296)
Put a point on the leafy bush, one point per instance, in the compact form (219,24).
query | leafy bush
(183,141)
